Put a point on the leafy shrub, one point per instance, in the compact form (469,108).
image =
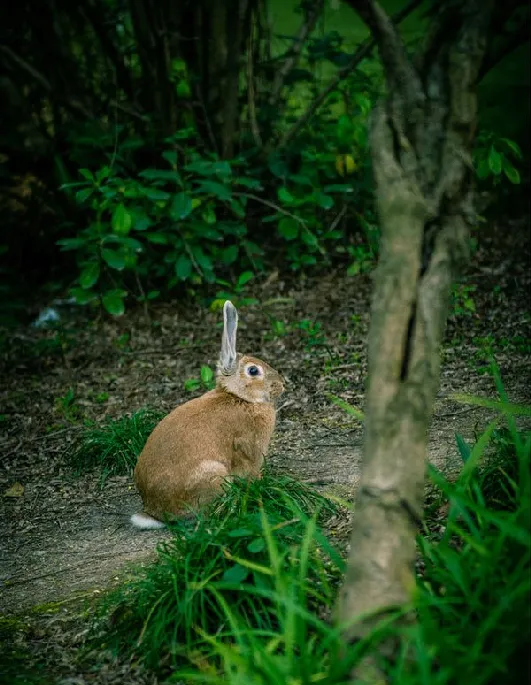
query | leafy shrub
(496,158)
(196,221)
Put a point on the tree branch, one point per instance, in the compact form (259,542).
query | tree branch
(251,102)
(27,67)
(294,53)
(92,13)
(37,76)
(363,51)
(402,79)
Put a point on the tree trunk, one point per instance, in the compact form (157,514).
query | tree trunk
(421,142)
(216,39)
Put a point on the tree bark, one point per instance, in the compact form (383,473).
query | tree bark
(421,142)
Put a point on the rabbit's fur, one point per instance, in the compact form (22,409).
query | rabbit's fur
(225,432)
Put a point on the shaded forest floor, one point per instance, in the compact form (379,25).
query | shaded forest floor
(65,539)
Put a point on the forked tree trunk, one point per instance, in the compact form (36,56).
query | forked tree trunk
(422,136)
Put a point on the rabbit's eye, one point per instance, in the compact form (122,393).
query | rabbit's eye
(253,371)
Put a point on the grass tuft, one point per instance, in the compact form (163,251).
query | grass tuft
(279,495)
(114,447)
(239,554)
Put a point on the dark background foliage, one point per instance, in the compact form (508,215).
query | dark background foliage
(151,147)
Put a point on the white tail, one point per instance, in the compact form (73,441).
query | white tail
(145,522)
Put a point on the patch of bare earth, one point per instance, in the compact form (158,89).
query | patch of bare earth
(64,537)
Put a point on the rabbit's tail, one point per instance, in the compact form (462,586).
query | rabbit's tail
(146,522)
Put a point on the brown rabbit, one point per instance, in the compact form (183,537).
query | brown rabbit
(225,432)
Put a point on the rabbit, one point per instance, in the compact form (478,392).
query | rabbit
(225,432)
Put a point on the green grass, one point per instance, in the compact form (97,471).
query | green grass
(473,597)
(245,594)
(257,547)
(279,495)
(114,447)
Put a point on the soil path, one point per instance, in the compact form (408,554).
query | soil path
(66,537)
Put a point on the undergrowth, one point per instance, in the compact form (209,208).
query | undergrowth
(245,594)
(257,553)
(114,447)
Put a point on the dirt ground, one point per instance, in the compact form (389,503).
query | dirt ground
(64,537)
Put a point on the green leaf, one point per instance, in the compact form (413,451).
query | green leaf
(113,301)
(513,146)
(183,267)
(202,259)
(170,156)
(203,230)
(142,222)
(348,408)
(495,161)
(324,201)
(183,89)
(285,196)
(508,408)
(354,269)
(256,545)
(205,168)
(463,447)
(211,187)
(83,296)
(251,183)
(244,278)
(209,216)
(232,228)
(157,238)
(301,180)
(181,206)
(89,276)
(338,188)
(154,194)
(277,165)
(512,174)
(116,260)
(235,574)
(127,241)
(309,238)
(206,374)
(84,194)
(160,175)
(131,192)
(288,228)
(87,173)
(71,243)
(153,294)
(237,208)
(483,168)
(230,254)
(103,173)
(121,220)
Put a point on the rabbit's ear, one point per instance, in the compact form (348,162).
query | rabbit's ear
(228,357)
